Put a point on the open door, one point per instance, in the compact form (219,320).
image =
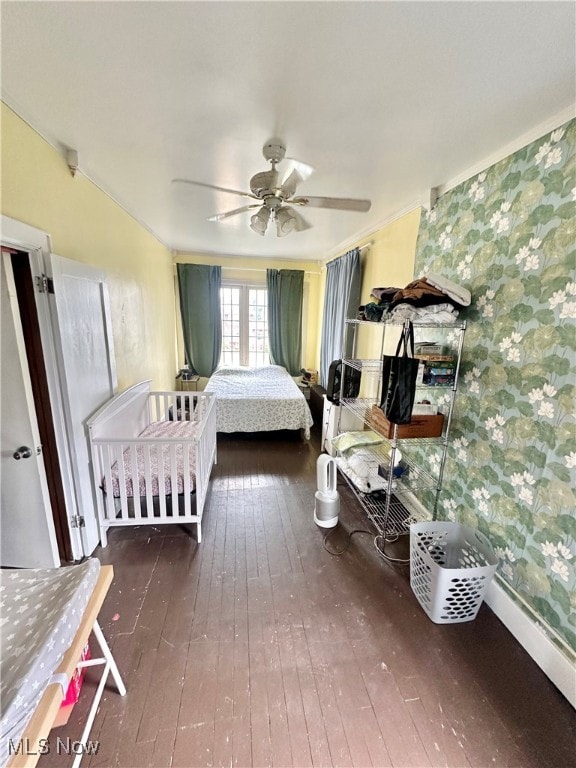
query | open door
(74,338)
(81,324)
(28,534)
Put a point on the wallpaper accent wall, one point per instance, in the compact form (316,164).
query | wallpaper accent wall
(509,235)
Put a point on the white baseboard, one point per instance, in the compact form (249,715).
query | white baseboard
(555,664)
(413,504)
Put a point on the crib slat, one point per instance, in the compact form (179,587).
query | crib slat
(135,481)
(146,447)
(174,479)
(122,482)
(186,477)
(159,448)
(107,458)
(201,463)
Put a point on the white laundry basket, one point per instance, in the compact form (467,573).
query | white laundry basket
(450,569)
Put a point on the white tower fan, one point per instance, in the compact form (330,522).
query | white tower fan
(327,501)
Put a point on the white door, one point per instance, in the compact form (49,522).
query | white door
(28,538)
(88,380)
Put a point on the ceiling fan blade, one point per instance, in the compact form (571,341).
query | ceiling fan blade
(336,203)
(301,223)
(213,186)
(288,186)
(295,173)
(221,216)
(302,169)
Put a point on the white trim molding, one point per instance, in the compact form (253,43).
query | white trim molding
(509,149)
(535,640)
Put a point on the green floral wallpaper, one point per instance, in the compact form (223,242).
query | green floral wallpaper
(509,235)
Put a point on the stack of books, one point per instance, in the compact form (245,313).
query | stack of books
(439,368)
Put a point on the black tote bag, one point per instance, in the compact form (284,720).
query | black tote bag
(399,373)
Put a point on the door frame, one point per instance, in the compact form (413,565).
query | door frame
(26,306)
(23,237)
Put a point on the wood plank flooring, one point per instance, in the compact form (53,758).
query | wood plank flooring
(259,648)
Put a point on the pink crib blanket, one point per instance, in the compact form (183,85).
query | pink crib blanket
(170,430)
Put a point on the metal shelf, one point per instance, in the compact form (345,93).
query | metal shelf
(385,511)
(384,508)
(360,407)
(370,367)
(461,325)
(373,368)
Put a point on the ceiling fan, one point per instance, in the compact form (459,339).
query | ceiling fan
(276,192)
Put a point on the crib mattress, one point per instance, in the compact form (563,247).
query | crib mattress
(167,430)
(41,610)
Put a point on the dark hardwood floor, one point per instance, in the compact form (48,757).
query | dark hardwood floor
(259,648)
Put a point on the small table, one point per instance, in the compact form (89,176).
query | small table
(38,729)
(190,384)
(305,389)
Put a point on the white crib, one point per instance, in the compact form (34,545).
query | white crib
(152,455)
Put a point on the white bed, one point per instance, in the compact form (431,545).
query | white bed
(147,444)
(258,400)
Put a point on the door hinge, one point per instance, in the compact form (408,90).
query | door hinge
(44,284)
(77,521)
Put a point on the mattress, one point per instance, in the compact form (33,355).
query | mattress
(41,611)
(258,400)
(161,430)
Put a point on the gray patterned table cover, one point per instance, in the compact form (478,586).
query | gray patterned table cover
(40,612)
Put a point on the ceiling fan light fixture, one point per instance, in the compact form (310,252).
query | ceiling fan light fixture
(259,222)
(276,199)
(285,222)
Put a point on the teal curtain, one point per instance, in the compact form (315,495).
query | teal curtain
(199,289)
(341,300)
(285,292)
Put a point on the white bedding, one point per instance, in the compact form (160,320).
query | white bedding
(258,400)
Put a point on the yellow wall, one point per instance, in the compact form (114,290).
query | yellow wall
(88,226)
(254,271)
(388,261)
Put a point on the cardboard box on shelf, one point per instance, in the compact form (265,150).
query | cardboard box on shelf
(420,426)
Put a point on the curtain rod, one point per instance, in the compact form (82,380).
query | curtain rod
(261,269)
(361,248)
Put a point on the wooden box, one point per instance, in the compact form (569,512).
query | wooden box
(420,426)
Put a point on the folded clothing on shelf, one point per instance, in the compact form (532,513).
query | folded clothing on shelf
(364,483)
(456,292)
(347,441)
(435,314)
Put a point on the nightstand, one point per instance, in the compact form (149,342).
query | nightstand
(190,384)
(305,389)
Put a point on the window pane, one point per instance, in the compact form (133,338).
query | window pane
(244,326)
(230,308)
(258,327)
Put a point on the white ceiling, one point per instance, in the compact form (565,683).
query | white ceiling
(384,99)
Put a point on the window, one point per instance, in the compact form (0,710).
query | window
(244,325)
